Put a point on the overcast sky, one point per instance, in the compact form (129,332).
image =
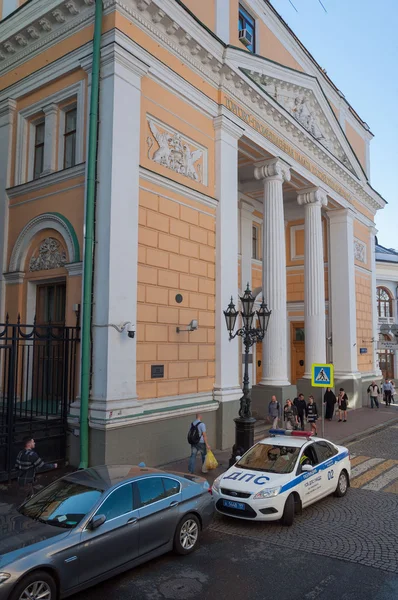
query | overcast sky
(356,41)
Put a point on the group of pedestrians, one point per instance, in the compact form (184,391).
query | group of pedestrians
(387,392)
(294,414)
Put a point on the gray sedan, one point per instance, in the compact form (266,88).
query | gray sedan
(95,523)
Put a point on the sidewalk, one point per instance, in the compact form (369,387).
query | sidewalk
(360,422)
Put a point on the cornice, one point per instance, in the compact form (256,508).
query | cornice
(48,180)
(39,24)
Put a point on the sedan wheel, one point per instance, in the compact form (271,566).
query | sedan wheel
(39,590)
(38,585)
(342,485)
(187,535)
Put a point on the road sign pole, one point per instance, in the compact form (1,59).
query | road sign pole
(323,412)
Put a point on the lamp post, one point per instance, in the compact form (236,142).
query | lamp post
(244,424)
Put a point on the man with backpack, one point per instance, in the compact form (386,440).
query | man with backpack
(197,438)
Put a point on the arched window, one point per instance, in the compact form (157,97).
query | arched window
(384,302)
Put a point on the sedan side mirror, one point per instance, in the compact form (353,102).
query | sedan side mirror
(307,468)
(97,521)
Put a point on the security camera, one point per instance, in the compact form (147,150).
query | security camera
(193,325)
(131,331)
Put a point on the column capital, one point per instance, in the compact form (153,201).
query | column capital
(315,196)
(223,123)
(7,110)
(275,168)
(341,215)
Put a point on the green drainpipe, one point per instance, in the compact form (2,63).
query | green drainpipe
(89,237)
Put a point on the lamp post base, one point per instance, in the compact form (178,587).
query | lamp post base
(244,437)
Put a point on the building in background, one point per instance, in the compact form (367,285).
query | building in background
(226,156)
(387,310)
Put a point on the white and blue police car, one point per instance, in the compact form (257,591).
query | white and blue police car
(281,475)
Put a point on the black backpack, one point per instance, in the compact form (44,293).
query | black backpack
(194,434)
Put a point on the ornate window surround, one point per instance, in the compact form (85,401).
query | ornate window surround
(293,253)
(25,126)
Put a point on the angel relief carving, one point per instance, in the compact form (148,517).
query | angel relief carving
(51,256)
(175,152)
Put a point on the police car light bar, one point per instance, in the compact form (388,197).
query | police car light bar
(306,434)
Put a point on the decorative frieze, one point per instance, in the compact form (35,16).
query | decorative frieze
(175,151)
(51,256)
(359,251)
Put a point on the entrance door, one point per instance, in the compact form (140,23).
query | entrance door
(48,345)
(297,351)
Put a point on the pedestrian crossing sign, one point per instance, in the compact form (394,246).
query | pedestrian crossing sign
(322,376)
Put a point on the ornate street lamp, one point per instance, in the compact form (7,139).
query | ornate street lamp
(244,424)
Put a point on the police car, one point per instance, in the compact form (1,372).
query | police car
(282,474)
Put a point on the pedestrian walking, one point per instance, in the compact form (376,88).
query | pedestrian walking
(393,392)
(374,391)
(330,402)
(197,438)
(274,412)
(290,415)
(387,392)
(312,415)
(28,463)
(343,403)
(301,407)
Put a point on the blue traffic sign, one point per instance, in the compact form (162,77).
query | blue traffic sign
(322,375)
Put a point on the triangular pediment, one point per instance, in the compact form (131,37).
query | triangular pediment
(311,110)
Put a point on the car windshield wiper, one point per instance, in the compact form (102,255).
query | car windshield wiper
(53,522)
(252,468)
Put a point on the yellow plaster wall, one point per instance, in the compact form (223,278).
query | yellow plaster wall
(256,276)
(335,110)
(357,142)
(233,24)
(176,255)
(183,118)
(269,46)
(204,10)
(363,289)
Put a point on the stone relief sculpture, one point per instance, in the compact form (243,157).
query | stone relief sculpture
(303,106)
(51,256)
(359,251)
(175,153)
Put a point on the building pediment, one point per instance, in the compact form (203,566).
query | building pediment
(311,110)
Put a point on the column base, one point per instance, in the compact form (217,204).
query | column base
(244,437)
(261,397)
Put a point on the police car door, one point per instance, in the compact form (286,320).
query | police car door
(312,482)
(326,454)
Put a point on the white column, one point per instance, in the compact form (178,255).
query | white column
(246,224)
(342,292)
(314,277)
(7,119)
(50,138)
(116,252)
(274,172)
(222,20)
(375,329)
(227,352)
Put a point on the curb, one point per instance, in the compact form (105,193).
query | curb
(361,434)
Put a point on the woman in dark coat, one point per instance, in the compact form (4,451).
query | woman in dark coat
(330,401)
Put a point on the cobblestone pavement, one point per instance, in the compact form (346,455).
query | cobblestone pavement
(361,527)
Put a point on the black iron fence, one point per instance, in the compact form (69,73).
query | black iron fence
(38,381)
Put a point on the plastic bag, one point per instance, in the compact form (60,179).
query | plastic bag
(210,462)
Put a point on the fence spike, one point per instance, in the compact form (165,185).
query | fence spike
(7,318)
(19,319)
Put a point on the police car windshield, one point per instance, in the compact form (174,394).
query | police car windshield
(270,459)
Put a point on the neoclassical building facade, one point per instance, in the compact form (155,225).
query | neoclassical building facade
(225,156)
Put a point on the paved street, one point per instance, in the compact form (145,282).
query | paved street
(339,548)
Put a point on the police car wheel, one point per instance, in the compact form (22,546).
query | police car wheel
(186,537)
(342,485)
(288,512)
